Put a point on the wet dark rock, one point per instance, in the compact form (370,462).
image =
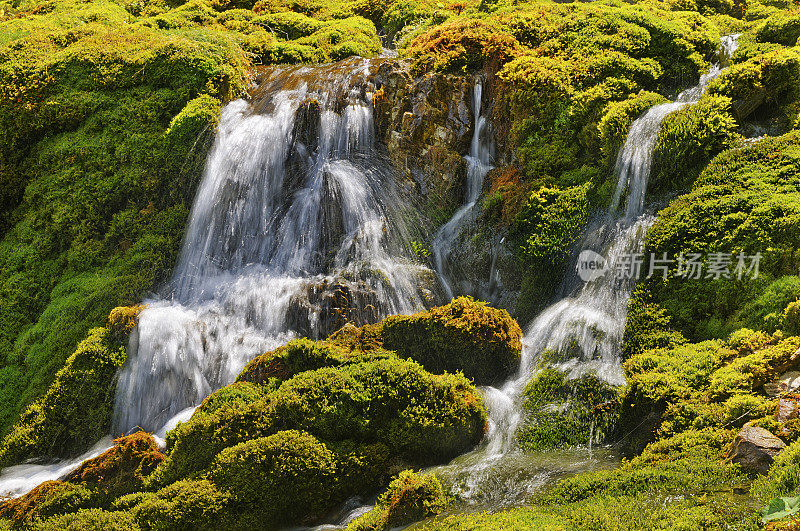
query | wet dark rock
(329,304)
(426,124)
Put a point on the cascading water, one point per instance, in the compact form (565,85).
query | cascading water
(296,208)
(281,214)
(479,162)
(296,221)
(584,329)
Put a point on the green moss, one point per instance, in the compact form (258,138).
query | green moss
(465,335)
(546,228)
(750,372)
(783,28)
(743,203)
(278,478)
(770,78)
(410,497)
(75,410)
(563,412)
(688,139)
(676,476)
(662,513)
(48,499)
(648,326)
(186,504)
(301,355)
(89,519)
(419,416)
(513,520)
(783,478)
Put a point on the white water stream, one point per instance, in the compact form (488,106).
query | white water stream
(479,162)
(584,329)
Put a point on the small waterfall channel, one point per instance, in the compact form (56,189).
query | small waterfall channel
(583,330)
(479,163)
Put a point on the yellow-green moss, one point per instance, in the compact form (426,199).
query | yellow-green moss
(410,497)
(75,410)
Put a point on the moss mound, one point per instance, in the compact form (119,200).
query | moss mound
(466,335)
(48,499)
(121,469)
(301,355)
(89,520)
(743,203)
(186,504)
(410,497)
(562,412)
(278,479)
(76,410)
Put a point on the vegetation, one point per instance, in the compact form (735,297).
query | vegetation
(107,111)
(410,497)
(75,410)
(465,335)
(563,412)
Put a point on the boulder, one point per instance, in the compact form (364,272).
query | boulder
(754,449)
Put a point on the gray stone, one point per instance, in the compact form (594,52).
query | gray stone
(754,449)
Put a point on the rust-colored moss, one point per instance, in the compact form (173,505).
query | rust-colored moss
(16,509)
(122,319)
(47,499)
(508,183)
(121,469)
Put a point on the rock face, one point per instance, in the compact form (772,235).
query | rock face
(788,382)
(754,449)
(788,407)
(426,124)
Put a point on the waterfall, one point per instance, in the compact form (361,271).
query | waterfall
(297,227)
(296,207)
(584,330)
(479,162)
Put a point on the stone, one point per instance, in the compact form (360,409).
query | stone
(788,382)
(754,449)
(788,407)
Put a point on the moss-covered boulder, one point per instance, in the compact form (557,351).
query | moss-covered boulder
(121,469)
(76,410)
(278,479)
(688,139)
(185,504)
(301,355)
(421,417)
(410,497)
(563,412)
(466,335)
